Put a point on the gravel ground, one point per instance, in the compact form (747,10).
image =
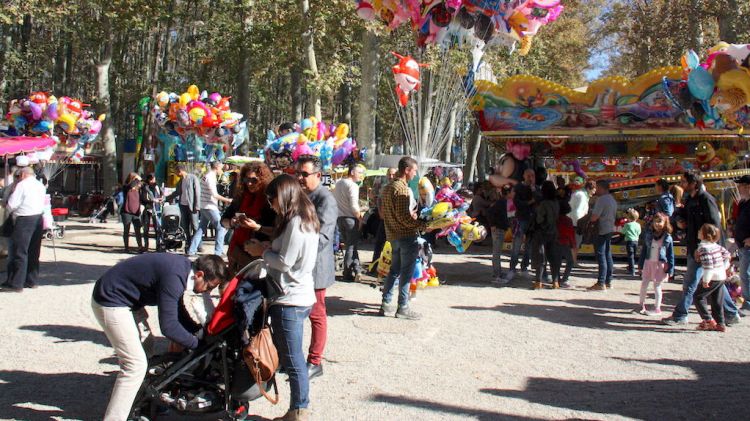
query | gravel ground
(479,352)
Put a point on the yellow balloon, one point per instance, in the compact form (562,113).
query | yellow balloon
(162,98)
(441,210)
(194,92)
(342,131)
(197,114)
(67,122)
(185,98)
(102,117)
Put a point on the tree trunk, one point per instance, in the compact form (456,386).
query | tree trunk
(696,26)
(109,166)
(427,108)
(482,161)
(5,43)
(451,135)
(296,91)
(728,22)
(308,42)
(475,142)
(368,93)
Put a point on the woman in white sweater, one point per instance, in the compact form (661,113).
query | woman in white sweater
(290,259)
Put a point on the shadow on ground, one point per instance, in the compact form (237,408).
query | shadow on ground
(69,273)
(578,312)
(338,306)
(37,396)
(443,408)
(70,333)
(712,395)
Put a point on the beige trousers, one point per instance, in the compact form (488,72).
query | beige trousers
(122,331)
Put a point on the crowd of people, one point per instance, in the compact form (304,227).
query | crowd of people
(551,221)
(293,223)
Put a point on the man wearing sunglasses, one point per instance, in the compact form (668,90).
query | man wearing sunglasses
(349,221)
(309,175)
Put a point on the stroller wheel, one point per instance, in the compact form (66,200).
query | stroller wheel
(48,235)
(60,233)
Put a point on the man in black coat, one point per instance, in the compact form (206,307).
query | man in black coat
(700,208)
(150,279)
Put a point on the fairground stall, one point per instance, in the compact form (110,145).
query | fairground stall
(662,123)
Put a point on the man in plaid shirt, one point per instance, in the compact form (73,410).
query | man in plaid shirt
(399,211)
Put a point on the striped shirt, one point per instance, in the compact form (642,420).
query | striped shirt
(713,256)
(209,192)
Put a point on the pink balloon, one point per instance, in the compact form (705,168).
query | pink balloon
(96,127)
(303,149)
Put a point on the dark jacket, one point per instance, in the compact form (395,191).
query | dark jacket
(497,214)
(666,252)
(545,219)
(523,201)
(700,209)
(148,196)
(324,273)
(742,224)
(190,187)
(150,279)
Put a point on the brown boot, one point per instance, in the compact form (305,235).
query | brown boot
(555,285)
(299,414)
(537,285)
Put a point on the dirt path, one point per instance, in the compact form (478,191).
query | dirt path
(480,352)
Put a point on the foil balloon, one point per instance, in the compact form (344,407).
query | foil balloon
(406,75)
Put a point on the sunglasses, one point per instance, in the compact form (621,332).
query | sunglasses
(251,180)
(305,174)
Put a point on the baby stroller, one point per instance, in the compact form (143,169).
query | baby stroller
(170,235)
(210,379)
(100,215)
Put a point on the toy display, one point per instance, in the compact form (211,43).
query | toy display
(332,144)
(42,114)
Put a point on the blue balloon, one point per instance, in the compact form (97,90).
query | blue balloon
(693,60)
(701,84)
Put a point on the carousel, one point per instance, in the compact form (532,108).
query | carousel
(632,132)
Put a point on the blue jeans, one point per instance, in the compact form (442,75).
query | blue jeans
(213,217)
(603,250)
(288,323)
(403,259)
(350,236)
(518,241)
(693,275)
(745,273)
(631,247)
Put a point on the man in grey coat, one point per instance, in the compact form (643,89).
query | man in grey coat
(309,176)
(189,193)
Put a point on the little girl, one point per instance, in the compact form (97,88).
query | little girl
(657,260)
(714,260)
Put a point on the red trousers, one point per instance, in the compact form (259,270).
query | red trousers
(319,325)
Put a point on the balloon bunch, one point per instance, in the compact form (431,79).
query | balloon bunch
(424,273)
(448,214)
(198,114)
(466,22)
(43,114)
(714,93)
(332,144)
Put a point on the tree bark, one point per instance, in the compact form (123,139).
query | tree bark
(475,142)
(296,91)
(5,43)
(312,63)
(451,135)
(368,94)
(728,22)
(109,166)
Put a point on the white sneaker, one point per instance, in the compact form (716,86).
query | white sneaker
(500,281)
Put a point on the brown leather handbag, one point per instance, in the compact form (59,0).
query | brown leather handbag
(262,359)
